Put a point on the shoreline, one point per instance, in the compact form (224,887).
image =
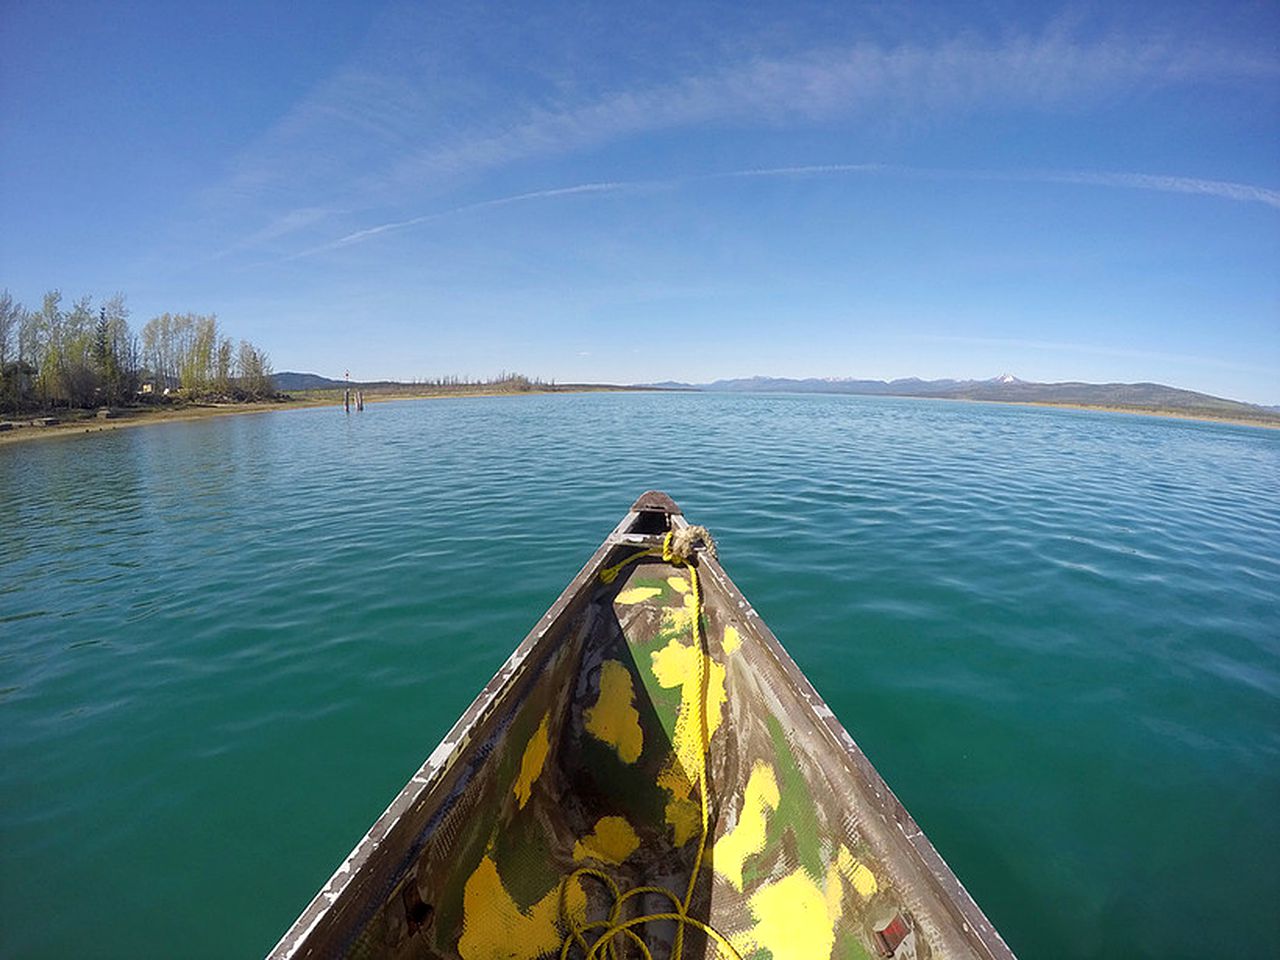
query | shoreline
(1137,412)
(83,426)
(145,416)
(88,425)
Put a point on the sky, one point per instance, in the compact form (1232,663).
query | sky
(643,192)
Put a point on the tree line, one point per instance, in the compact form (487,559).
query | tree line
(79,356)
(511,381)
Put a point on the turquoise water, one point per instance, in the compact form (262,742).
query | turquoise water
(225,645)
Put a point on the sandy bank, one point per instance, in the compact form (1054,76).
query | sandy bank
(1270,424)
(79,423)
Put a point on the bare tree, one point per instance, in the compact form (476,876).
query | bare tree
(224,365)
(254,369)
(10,313)
(117,351)
(47,344)
(160,350)
(78,380)
(14,371)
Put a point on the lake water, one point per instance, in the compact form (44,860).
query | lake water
(225,645)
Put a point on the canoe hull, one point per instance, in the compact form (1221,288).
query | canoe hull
(583,751)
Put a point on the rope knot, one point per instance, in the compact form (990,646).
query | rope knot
(681,543)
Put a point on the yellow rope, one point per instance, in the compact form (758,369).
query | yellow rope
(612,927)
(610,574)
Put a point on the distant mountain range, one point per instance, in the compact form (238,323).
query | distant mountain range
(289,380)
(1006,388)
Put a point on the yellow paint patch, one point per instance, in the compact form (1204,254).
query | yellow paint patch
(495,928)
(844,860)
(637,595)
(748,836)
(612,841)
(685,818)
(793,920)
(613,719)
(864,881)
(677,665)
(732,640)
(834,892)
(535,755)
(679,584)
(683,814)
(857,873)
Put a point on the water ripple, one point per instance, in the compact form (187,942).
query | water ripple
(228,643)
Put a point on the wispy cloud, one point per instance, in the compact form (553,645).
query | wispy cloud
(409,115)
(424,106)
(907,83)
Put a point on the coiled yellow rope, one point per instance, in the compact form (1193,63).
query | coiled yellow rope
(677,549)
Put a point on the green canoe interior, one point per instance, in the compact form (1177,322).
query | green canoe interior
(583,752)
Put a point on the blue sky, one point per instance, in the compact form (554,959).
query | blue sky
(635,192)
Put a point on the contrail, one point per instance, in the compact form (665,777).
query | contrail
(1245,192)
(1227,190)
(1224,189)
(360,236)
(811,170)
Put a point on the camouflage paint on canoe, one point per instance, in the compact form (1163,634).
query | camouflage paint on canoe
(583,751)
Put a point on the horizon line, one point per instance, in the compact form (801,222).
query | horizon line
(998,379)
